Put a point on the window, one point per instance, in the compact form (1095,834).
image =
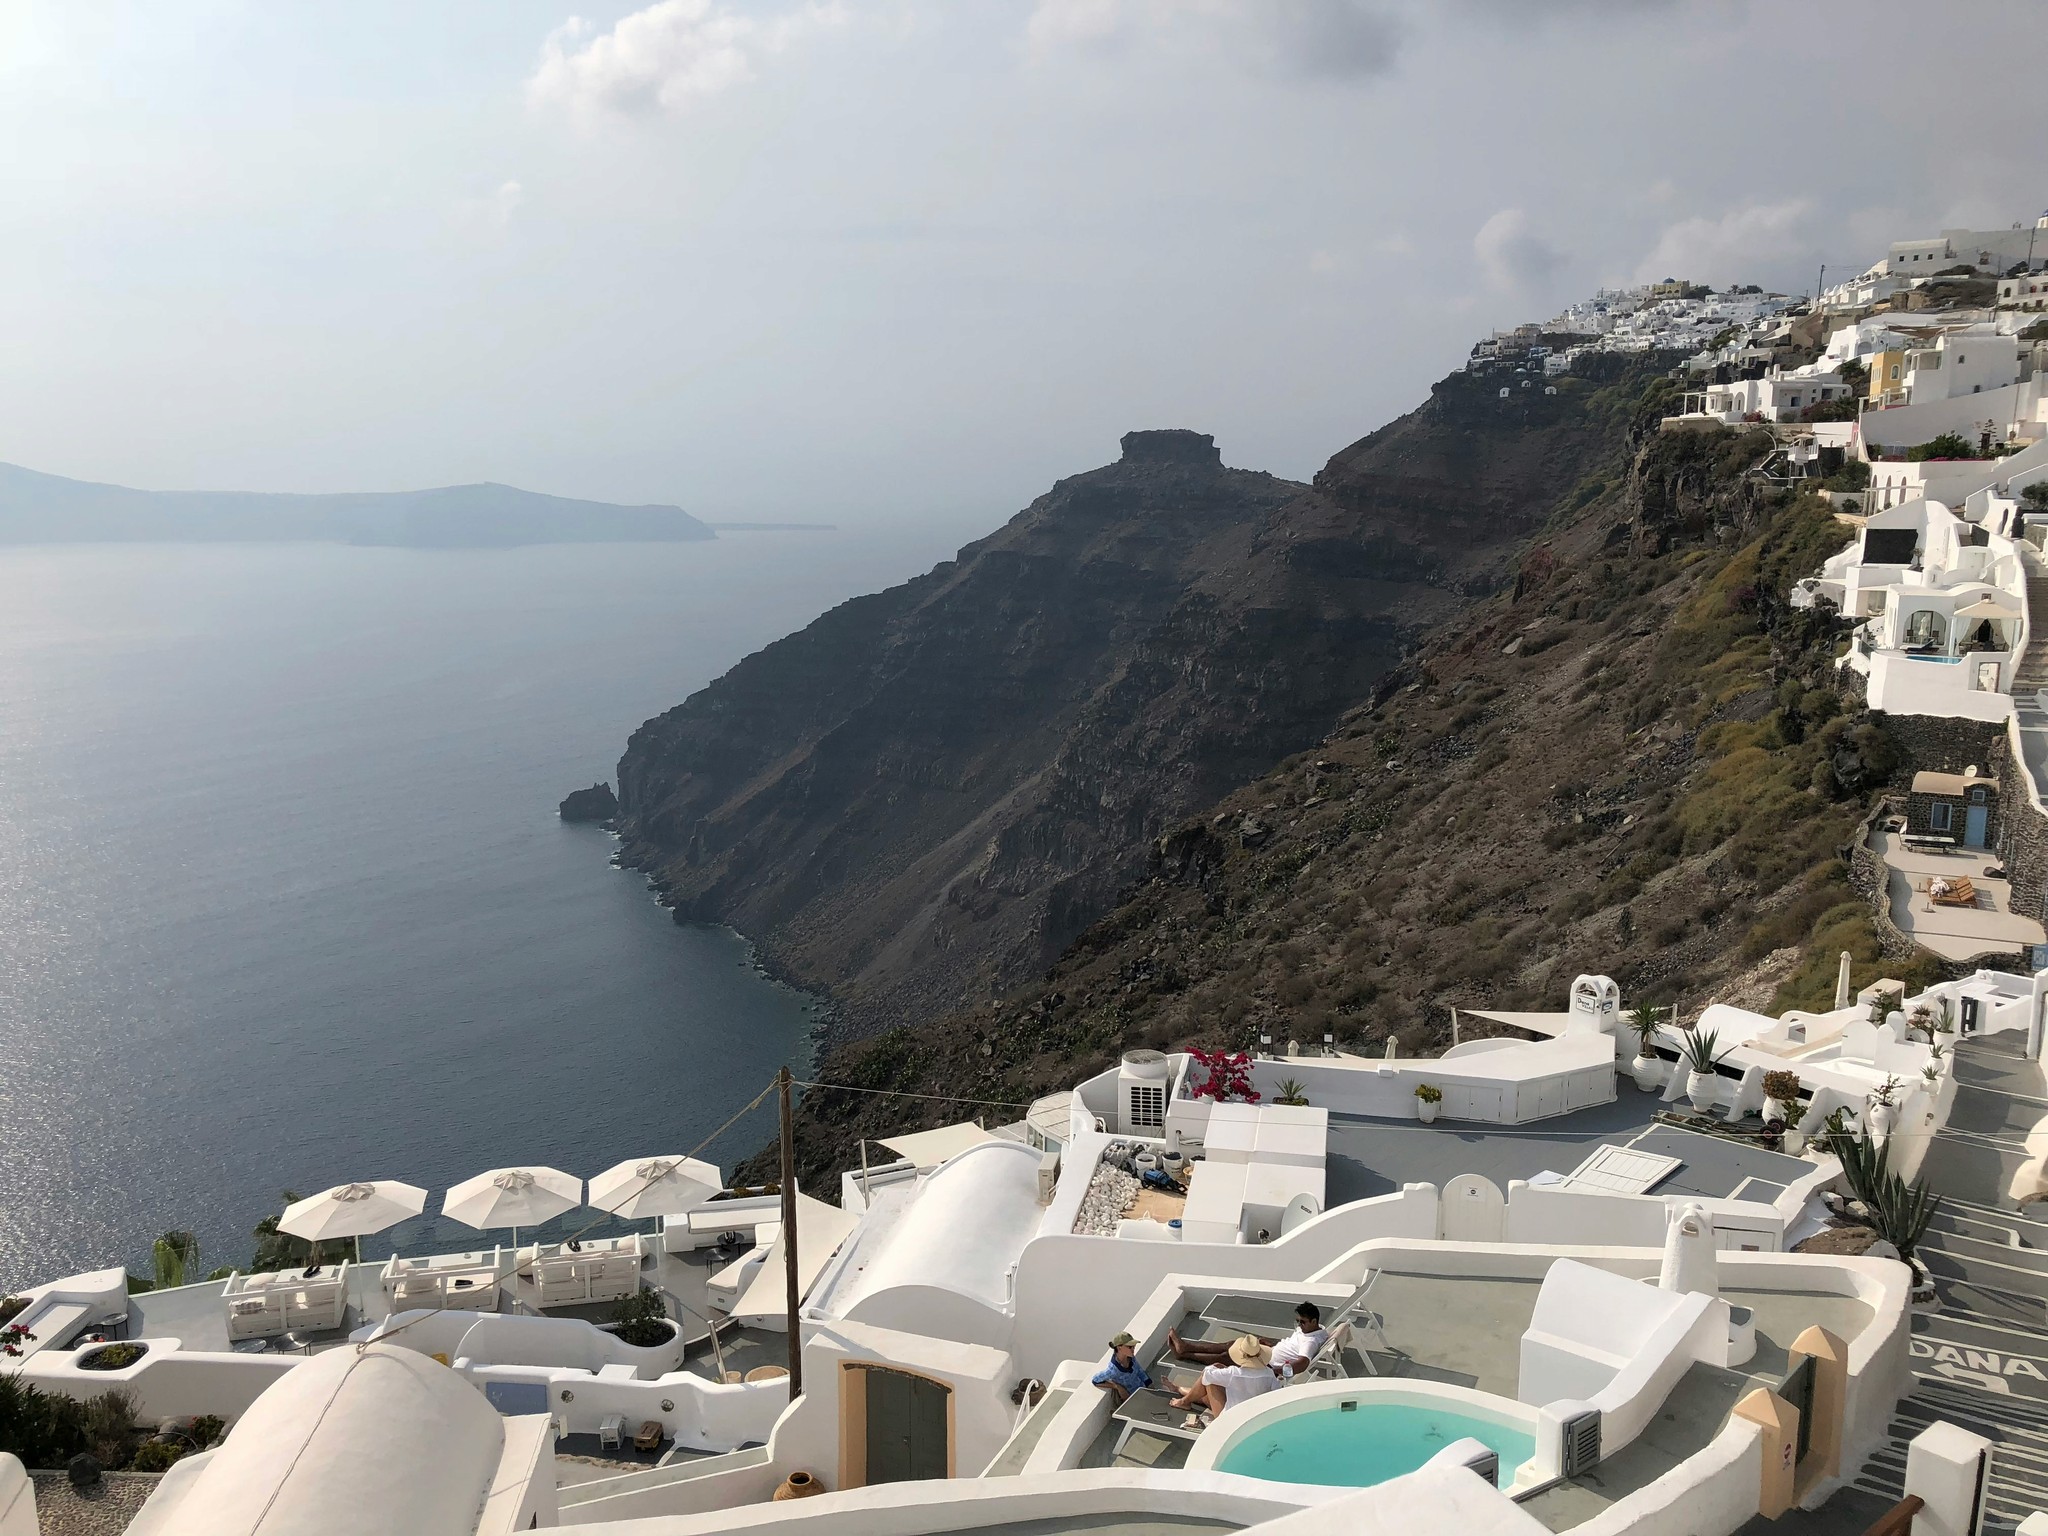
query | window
(1940,816)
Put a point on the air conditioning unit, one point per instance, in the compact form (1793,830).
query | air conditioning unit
(1048,1176)
(1142,1083)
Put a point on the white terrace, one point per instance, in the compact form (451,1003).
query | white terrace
(1565,1277)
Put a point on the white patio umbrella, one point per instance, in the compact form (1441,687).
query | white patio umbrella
(512,1197)
(350,1210)
(655,1186)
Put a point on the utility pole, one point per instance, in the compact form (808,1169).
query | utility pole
(793,1289)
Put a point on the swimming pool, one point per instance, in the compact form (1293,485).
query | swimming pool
(1356,1442)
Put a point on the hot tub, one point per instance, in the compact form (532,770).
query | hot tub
(1352,1434)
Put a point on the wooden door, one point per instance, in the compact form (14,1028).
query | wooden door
(906,1427)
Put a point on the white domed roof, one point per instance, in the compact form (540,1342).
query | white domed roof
(382,1442)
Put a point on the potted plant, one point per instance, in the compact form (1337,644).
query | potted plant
(1427,1097)
(1646,1019)
(1781,1096)
(1701,1053)
(1884,1107)
(1289,1092)
(642,1321)
(112,1357)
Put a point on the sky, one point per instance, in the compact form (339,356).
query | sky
(889,260)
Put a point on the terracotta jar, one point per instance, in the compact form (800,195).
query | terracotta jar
(798,1485)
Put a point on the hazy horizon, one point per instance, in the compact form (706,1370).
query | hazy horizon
(889,260)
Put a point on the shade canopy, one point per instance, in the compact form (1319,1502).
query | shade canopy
(512,1197)
(1987,608)
(820,1229)
(928,1149)
(352,1210)
(655,1186)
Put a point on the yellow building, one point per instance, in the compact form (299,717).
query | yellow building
(1887,374)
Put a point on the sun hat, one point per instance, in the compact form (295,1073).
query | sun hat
(1249,1351)
(1121,1340)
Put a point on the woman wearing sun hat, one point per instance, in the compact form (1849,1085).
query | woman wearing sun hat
(1247,1373)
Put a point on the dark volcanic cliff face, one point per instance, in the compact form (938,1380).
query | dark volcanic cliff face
(924,796)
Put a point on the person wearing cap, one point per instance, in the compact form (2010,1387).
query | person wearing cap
(1122,1375)
(1246,1373)
(1289,1354)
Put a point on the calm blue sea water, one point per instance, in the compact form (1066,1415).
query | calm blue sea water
(283,897)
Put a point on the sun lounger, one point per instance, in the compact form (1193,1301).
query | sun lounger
(1264,1315)
(1959,893)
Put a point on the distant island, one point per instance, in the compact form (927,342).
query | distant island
(48,509)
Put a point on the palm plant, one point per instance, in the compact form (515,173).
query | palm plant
(280,1250)
(1646,1019)
(175,1257)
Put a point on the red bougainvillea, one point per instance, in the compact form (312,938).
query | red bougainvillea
(1229,1076)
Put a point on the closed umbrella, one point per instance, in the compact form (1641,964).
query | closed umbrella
(350,1210)
(655,1186)
(512,1197)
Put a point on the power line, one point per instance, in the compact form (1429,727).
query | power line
(898,1093)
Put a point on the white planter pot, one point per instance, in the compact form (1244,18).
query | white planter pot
(1426,1111)
(1880,1118)
(1648,1072)
(1699,1087)
(1773,1110)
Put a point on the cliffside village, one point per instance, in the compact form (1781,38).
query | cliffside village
(1595,1269)
(1915,397)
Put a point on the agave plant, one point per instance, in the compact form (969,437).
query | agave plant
(1702,1050)
(1899,1211)
(1288,1091)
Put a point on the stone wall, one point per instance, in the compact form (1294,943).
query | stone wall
(1868,875)
(2021,838)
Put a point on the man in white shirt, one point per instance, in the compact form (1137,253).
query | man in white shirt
(1247,1372)
(1289,1354)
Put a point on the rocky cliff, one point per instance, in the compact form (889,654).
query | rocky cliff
(1632,757)
(921,800)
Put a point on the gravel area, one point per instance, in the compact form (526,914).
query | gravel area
(1109,1195)
(62,1512)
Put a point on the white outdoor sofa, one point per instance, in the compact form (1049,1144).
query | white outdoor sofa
(464,1282)
(267,1305)
(566,1279)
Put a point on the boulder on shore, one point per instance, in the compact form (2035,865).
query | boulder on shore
(596,803)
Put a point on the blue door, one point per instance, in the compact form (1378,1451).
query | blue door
(1973,833)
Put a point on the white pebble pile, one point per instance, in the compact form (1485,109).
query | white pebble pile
(1110,1194)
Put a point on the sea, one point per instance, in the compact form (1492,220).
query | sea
(285,901)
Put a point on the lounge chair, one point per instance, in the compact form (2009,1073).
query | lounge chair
(1959,893)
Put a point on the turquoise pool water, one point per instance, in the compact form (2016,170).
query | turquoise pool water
(1355,1448)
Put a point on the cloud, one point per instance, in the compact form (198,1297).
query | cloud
(1512,255)
(666,58)
(1733,248)
(492,215)
(1330,39)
